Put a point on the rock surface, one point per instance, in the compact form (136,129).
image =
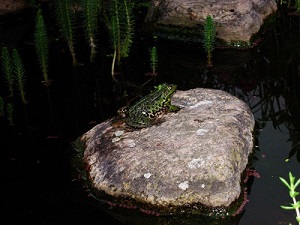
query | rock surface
(10,6)
(194,156)
(236,20)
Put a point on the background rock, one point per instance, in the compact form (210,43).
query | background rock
(9,6)
(236,20)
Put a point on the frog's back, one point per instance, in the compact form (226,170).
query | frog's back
(150,106)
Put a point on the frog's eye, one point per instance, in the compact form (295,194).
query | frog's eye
(169,87)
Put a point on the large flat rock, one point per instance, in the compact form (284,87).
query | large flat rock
(237,21)
(193,157)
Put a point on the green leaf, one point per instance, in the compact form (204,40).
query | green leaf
(293,193)
(297,183)
(284,182)
(287,207)
(296,205)
(292,178)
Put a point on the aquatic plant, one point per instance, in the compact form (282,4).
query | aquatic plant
(284,2)
(209,36)
(18,72)
(153,60)
(129,30)
(298,6)
(293,194)
(90,14)
(121,29)
(41,45)
(10,110)
(65,22)
(7,69)
(295,142)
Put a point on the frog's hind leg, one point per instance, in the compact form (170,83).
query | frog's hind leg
(142,122)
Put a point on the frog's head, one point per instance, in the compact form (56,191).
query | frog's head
(168,89)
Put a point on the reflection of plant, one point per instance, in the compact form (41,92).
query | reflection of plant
(91,9)
(268,101)
(41,45)
(9,110)
(153,60)
(293,194)
(18,69)
(7,69)
(65,22)
(295,139)
(288,2)
(209,34)
(284,2)
(121,29)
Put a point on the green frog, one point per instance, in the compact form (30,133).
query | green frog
(153,104)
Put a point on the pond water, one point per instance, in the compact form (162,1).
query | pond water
(38,188)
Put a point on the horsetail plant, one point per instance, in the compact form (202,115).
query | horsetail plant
(293,194)
(281,2)
(41,45)
(7,69)
(121,29)
(65,23)
(298,6)
(153,60)
(18,72)
(209,34)
(90,14)
(129,24)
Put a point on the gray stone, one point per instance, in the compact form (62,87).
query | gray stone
(193,156)
(236,20)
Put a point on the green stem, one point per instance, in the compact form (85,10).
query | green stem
(113,66)
(297,210)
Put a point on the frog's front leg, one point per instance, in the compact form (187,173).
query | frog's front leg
(173,108)
(170,107)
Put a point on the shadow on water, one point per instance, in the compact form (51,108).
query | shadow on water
(39,188)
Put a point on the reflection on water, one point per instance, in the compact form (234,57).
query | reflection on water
(267,78)
(268,193)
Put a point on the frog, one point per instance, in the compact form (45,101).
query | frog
(144,111)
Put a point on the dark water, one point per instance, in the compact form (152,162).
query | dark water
(35,162)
